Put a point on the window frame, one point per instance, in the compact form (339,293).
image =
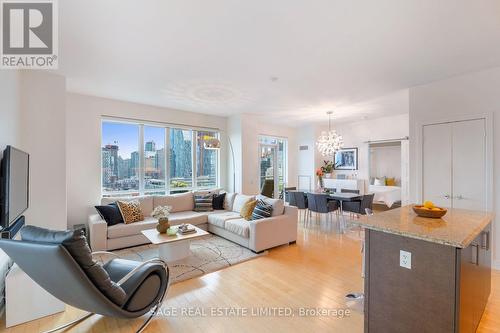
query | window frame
(167,127)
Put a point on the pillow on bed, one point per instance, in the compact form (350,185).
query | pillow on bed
(379,181)
(390,181)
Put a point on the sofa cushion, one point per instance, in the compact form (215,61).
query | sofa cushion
(278,204)
(229,200)
(187,217)
(145,201)
(240,200)
(219,219)
(124,230)
(180,202)
(240,227)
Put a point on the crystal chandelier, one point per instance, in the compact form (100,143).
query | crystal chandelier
(329,142)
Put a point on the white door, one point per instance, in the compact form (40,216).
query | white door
(437,164)
(454,164)
(469,164)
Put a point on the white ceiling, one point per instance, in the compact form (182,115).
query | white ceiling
(219,56)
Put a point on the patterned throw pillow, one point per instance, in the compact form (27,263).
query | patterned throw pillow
(262,210)
(203,203)
(131,211)
(247,209)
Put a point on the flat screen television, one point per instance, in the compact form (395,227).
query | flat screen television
(14,192)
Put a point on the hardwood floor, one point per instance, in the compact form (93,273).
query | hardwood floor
(316,272)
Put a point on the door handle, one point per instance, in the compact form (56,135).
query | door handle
(485,240)
(475,258)
(447,196)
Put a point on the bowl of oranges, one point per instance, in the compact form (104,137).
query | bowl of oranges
(429,210)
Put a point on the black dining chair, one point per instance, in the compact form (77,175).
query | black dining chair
(287,193)
(298,199)
(359,207)
(321,205)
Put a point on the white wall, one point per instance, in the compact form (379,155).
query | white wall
(10,115)
(356,134)
(471,95)
(43,136)
(385,162)
(10,134)
(83,124)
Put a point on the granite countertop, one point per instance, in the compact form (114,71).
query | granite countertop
(457,228)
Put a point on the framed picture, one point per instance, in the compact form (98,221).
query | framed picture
(346,159)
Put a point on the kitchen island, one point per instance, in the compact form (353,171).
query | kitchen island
(426,275)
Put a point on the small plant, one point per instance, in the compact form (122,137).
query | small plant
(161,212)
(327,167)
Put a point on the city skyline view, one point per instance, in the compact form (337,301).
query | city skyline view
(121,160)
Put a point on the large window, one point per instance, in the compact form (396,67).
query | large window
(181,158)
(274,154)
(206,161)
(120,157)
(151,159)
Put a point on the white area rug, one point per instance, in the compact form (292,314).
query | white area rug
(209,254)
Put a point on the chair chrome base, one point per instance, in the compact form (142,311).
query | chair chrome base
(71,323)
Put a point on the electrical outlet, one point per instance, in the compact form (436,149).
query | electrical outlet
(405,259)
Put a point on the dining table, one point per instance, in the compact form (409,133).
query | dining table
(341,197)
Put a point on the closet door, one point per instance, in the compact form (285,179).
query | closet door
(437,164)
(469,164)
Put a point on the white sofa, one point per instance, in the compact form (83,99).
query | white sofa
(258,235)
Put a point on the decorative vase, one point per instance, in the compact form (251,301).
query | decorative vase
(328,175)
(162,225)
(320,182)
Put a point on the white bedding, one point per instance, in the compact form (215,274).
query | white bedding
(386,194)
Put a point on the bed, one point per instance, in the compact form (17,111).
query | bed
(388,195)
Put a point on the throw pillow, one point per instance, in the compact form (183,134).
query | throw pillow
(379,181)
(262,210)
(203,203)
(131,211)
(110,213)
(390,181)
(247,209)
(278,204)
(77,246)
(218,201)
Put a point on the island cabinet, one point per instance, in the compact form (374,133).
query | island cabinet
(426,275)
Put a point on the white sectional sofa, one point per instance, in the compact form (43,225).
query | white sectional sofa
(258,235)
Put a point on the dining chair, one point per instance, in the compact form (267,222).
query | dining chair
(287,193)
(300,201)
(321,205)
(359,207)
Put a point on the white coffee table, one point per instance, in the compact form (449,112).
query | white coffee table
(176,247)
